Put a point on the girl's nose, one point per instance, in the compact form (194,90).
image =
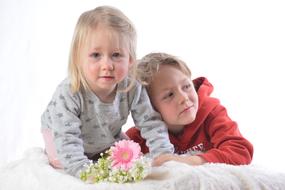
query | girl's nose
(108,64)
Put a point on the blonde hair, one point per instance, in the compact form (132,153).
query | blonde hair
(106,16)
(149,65)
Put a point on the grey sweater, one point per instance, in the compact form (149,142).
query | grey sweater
(83,126)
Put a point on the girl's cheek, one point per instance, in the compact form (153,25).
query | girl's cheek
(92,67)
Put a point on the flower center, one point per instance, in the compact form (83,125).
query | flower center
(126,155)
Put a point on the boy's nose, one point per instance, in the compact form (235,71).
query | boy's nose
(183,97)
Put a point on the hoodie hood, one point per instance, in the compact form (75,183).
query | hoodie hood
(207,103)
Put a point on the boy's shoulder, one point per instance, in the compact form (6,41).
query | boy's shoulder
(203,84)
(201,81)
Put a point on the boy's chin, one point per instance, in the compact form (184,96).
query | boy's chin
(176,129)
(191,118)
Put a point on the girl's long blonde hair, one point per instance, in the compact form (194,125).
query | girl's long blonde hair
(105,16)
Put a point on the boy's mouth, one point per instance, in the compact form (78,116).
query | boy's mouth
(187,109)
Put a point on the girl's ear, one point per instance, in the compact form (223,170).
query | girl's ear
(131,61)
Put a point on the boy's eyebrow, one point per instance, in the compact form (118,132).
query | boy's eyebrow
(167,88)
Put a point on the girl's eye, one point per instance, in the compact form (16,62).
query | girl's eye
(116,56)
(95,55)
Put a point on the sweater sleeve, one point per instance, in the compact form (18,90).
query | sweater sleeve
(229,146)
(152,128)
(62,117)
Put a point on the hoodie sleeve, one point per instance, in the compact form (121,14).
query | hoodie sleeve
(229,146)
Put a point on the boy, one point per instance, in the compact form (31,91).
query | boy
(198,125)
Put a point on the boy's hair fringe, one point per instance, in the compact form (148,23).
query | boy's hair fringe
(149,65)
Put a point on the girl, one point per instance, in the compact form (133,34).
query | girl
(198,125)
(88,109)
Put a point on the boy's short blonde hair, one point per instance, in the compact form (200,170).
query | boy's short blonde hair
(103,16)
(149,65)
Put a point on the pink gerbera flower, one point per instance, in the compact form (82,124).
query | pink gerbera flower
(124,153)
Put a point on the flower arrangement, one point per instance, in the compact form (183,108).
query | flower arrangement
(122,163)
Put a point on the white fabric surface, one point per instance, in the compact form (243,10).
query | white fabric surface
(34,172)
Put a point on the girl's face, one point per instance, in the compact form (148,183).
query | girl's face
(105,62)
(173,95)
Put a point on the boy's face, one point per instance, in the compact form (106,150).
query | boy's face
(173,95)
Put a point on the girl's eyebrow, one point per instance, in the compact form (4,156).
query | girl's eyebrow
(99,49)
(118,49)
(92,49)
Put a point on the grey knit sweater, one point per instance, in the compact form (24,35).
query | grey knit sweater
(83,126)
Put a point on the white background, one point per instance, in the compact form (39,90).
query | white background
(238,45)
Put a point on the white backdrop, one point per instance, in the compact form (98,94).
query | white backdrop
(238,45)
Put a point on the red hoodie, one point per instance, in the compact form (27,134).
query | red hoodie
(212,132)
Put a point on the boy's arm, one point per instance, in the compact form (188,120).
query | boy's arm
(229,146)
(192,160)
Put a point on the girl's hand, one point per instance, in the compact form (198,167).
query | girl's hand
(192,160)
(159,160)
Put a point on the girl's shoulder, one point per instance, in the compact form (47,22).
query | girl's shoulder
(64,87)
(129,82)
(63,92)
(64,100)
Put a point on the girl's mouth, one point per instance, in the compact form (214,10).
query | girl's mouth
(107,77)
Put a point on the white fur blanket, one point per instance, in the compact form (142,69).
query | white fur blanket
(34,172)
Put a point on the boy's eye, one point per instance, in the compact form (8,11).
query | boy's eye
(187,87)
(168,95)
